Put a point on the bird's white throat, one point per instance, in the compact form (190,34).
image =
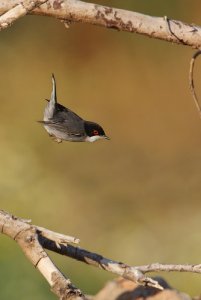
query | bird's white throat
(94,138)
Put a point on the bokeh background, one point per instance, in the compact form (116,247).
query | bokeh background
(136,198)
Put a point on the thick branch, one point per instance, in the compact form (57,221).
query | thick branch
(27,238)
(79,11)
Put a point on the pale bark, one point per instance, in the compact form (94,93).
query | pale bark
(156,267)
(78,11)
(26,236)
(58,238)
(34,239)
(20,9)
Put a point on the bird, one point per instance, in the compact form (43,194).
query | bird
(63,124)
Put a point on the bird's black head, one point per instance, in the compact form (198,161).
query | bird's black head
(94,131)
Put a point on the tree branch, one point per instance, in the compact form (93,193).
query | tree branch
(58,238)
(27,238)
(17,11)
(156,267)
(97,260)
(33,239)
(118,268)
(78,11)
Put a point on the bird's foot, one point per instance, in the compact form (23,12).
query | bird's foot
(58,140)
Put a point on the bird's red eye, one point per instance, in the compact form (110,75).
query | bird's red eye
(95,132)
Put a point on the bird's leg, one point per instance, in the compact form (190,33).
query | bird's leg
(57,140)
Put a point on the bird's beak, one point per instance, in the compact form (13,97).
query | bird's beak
(106,137)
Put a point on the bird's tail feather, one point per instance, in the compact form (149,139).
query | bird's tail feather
(53,98)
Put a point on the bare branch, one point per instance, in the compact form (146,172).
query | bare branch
(97,260)
(33,239)
(27,238)
(18,10)
(58,238)
(156,267)
(117,267)
(191,81)
(155,27)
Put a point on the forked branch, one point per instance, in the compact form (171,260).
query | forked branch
(33,240)
(26,236)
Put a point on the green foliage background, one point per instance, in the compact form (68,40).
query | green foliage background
(136,198)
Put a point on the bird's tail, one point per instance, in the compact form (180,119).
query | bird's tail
(53,98)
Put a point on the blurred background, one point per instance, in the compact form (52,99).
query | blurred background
(136,198)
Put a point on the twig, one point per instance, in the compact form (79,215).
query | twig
(191,81)
(27,238)
(18,10)
(79,11)
(58,238)
(156,267)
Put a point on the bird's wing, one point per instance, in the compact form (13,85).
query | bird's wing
(62,114)
(66,121)
(65,128)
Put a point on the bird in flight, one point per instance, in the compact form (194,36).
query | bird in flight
(63,124)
